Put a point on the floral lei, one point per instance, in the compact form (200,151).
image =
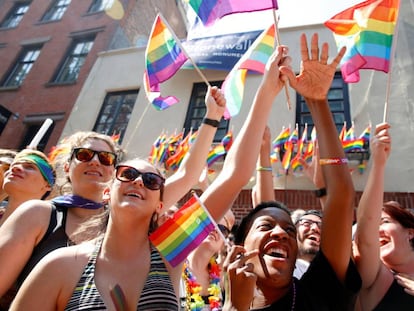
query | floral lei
(194,301)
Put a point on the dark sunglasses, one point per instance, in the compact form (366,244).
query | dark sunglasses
(85,155)
(224,230)
(151,181)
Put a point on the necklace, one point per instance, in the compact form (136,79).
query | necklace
(294,297)
(194,301)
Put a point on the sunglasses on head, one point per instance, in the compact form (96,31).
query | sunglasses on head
(151,180)
(85,155)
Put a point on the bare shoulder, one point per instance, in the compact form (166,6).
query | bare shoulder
(66,263)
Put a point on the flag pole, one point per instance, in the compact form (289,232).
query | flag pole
(388,86)
(277,44)
(185,52)
(226,242)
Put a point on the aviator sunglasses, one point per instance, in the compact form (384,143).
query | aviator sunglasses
(127,173)
(85,155)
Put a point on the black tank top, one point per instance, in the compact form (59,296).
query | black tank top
(54,238)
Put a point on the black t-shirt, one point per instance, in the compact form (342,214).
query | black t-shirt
(320,290)
(396,299)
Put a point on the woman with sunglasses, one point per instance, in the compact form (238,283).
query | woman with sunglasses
(384,238)
(88,160)
(125,272)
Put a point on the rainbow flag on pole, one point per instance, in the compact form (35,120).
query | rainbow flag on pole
(163,58)
(254,59)
(366,30)
(211,10)
(179,235)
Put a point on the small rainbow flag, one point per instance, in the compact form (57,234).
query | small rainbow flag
(211,10)
(367,30)
(182,233)
(281,138)
(163,58)
(216,153)
(255,60)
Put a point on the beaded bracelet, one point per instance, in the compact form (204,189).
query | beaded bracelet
(264,169)
(333,161)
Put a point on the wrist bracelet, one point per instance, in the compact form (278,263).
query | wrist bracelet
(264,169)
(333,161)
(211,122)
(320,192)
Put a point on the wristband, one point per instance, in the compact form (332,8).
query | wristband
(320,192)
(264,169)
(333,161)
(211,122)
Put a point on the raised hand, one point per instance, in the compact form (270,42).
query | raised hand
(315,77)
(215,103)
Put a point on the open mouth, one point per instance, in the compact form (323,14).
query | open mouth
(276,252)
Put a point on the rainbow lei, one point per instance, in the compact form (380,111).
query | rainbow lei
(194,301)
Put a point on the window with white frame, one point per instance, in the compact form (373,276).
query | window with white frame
(15,15)
(115,113)
(56,10)
(22,66)
(75,58)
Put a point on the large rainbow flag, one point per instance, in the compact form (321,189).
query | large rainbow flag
(163,58)
(211,10)
(255,60)
(182,233)
(366,30)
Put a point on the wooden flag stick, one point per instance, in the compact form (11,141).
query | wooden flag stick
(185,52)
(388,86)
(277,44)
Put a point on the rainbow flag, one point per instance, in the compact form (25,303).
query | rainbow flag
(366,29)
(216,153)
(354,144)
(255,60)
(163,58)
(211,10)
(182,233)
(281,138)
(366,134)
(287,155)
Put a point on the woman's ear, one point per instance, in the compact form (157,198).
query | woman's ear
(106,195)
(160,208)
(66,167)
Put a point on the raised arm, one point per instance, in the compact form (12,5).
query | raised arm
(313,84)
(194,162)
(241,159)
(263,190)
(369,210)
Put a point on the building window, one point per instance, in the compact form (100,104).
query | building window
(115,113)
(31,132)
(15,15)
(56,10)
(197,109)
(22,67)
(338,98)
(99,5)
(74,60)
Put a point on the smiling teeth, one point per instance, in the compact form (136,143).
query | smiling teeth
(276,252)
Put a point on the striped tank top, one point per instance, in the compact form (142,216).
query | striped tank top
(158,292)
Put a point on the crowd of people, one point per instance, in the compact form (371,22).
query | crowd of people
(74,230)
